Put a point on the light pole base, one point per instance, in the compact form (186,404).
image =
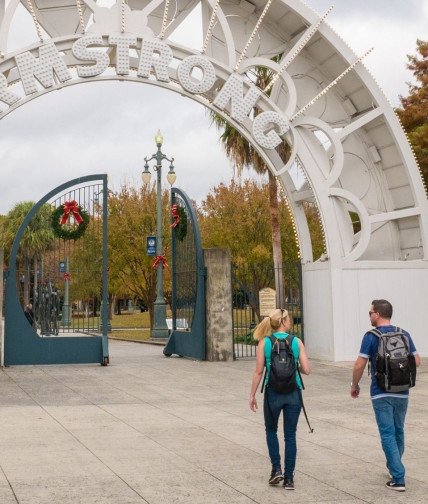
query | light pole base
(160,329)
(65,319)
(101,325)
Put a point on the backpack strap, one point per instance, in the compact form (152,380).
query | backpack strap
(311,430)
(272,340)
(378,334)
(289,339)
(299,391)
(264,381)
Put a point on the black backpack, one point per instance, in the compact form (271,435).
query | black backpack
(283,370)
(282,374)
(395,363)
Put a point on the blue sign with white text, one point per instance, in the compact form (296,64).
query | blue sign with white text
(62,266)
(151,245)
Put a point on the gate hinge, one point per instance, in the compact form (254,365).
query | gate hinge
(203,272)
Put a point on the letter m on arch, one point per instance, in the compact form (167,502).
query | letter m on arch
(50,61)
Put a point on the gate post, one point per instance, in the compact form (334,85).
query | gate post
(219,314)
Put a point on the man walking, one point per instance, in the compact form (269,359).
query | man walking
(389,407)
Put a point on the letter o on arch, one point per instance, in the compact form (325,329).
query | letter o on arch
(184,74)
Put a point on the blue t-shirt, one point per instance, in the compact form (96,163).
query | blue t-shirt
(294,348)
(368,350)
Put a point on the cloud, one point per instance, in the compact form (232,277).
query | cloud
(106,127)
(383,9)
(425,7)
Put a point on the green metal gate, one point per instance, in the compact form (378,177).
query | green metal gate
(58,264)
(247,281)
(188,286)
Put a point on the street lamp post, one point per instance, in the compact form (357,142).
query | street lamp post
(160,329)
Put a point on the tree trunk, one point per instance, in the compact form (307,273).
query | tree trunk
(111,300)
(151,308)
(276,241)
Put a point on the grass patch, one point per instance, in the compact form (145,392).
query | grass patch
(138,334)
(133,320)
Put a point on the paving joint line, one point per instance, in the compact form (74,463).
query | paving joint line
(76,438)
(142,433)
(176,416)
(9,483)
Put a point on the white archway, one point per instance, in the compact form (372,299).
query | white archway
(345,137)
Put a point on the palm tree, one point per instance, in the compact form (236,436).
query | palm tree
(243,155)
(37,238)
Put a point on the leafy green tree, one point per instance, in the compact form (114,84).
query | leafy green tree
(414,107)
(2,220)
(315,229)
(132,217)
(237,217)
(37,238)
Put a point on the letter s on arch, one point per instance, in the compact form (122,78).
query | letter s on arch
(81,52)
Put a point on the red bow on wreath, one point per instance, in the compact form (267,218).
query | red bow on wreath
(71,207)
(160,259)
(175,216)
(67,276)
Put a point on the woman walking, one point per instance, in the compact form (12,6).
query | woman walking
(278,324)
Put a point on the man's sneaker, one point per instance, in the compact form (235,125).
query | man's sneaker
(275,477)
(398,487)
(288,484)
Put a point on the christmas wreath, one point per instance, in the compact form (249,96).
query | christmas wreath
(61,216)
(180,222)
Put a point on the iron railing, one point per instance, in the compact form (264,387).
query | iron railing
(247,282)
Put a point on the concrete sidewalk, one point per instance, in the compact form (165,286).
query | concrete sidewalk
(150,429)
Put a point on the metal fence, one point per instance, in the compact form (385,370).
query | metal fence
(247,282)
(63,282)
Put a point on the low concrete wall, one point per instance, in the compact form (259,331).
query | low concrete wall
(337,299)
(219,322)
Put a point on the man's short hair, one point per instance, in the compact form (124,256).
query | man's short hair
(383,307)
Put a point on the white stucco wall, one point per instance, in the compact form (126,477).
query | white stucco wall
(337,301)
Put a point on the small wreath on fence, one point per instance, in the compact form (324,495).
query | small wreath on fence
(61,217)
(180,222)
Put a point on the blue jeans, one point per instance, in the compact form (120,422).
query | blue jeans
(390,414)
(290,406)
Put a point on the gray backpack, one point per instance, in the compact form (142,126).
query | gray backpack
(395,363)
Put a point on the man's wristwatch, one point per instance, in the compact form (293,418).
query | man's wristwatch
(354,386)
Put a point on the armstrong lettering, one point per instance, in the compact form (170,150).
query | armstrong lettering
(155,57)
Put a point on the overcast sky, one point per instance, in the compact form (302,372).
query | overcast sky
(110,127)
